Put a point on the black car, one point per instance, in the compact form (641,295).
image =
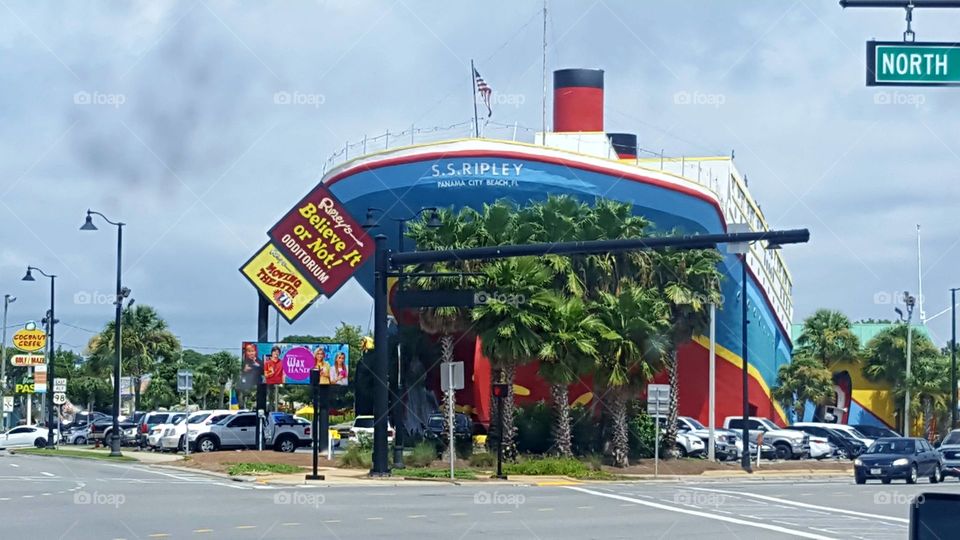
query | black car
(875,432)
(899,457)
(847,446)
(462,426)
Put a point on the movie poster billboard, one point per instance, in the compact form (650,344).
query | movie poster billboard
(291,363)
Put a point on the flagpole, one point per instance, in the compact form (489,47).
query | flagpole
(473,78)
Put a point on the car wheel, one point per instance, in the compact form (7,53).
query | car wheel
(842,454)
(681,451)
(40,442)
(80,440)
(937,475)
(912,479)
(859,478)
(180,444)
(286,444)
(207,444)
(783,451)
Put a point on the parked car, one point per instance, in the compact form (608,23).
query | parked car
(950,453)
(849,430)
(174,435)
(725,441)
(899,457)
(363,426)
(462,426)
(198,430)
(280,432)
(847,446)
(875,432)
(102,430)
(788,443)
(156,432)
(22,436)
(820,448)
(687,444)
(77,435)
(147,422)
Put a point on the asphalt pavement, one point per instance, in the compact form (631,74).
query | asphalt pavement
(68,498)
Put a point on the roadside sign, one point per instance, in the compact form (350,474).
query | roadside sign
(59,398)
(60,384)
(40,379)
(184,380)
(899,63)
(25,386)
(451,376)
(26,360)
(29,339)
(8,403)
(658,399)
(280,282)
(323,240)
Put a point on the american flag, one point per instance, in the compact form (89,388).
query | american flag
(484,90)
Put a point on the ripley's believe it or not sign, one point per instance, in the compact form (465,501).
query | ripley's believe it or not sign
(314,249)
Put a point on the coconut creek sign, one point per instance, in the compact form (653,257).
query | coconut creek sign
(313,250)
(902,63)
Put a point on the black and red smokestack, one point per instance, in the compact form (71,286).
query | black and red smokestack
(624,144)
(578,100)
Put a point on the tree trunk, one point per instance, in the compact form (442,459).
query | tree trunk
(670,430)
(509,431)
(493,434)
(561,426)
(618,414)
(928,416)
(136,395)
(448,400)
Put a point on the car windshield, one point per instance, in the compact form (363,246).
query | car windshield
(223,421)
(767,423)
(899,447)
(198,418)
(157,418)
(696,425)
(365,422)
(855,432)
(952,438)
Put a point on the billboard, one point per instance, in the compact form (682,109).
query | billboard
(290,363)
(323,240)
(278,281)
(30,339)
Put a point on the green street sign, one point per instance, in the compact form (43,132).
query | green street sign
(901,63)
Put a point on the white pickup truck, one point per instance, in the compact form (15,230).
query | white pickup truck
(281,432)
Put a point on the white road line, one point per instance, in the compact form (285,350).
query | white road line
(14,465)
(707,515)
(811,507)
(47,474)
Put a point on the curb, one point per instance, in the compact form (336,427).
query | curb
(215,474)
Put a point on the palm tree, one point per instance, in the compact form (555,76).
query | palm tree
(569,347)
(511,325)
(885,360)
(145,340)
(930,388)
(827,336)
(689,282)
(803,379)
(630,352)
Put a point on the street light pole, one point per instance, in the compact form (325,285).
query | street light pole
(51,373)
(117,336)
(953,359)
(745,370)
(909,301)
(7,300)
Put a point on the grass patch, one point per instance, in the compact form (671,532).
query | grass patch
(236,469)
(483,460)
(555,466)
(460,474)
(422,455)
(71,453)
(357,457)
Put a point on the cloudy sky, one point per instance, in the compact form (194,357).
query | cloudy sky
(164,114)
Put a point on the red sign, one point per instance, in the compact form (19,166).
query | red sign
(322,240)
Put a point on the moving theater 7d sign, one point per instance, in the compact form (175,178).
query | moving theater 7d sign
(314,249)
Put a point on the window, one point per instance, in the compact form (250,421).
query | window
(736,424)
(952,438)
(157,419)
(19,430)
(219,418)
(363,422)
(247,420)
(198,418)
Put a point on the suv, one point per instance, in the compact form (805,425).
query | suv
(156,432)
(282,432)
(848,430)
(788,443)
(102,430)
(950,450)
(362,426)
(172,437)
(147,422)
(462,426)
(725,441)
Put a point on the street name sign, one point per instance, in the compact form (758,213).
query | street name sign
(910,63)
(658,399)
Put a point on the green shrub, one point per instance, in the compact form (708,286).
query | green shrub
(460,474)
(642,437)
(586,431)
(483,460)
(236,469)
(422,455)
(533,424)
(357,457)
(555,466)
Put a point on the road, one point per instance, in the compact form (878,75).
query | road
(64,498)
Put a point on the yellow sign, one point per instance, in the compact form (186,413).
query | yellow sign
(277,279)
(23,389)
(24,360)
(29,340)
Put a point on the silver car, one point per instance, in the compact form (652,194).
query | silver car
(950,450)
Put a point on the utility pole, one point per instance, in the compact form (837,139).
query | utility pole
(953,359)
(909,301)
(7,300)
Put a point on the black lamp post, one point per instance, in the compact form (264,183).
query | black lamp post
(953,359)
(432,221)
(51,440)
(118,302)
